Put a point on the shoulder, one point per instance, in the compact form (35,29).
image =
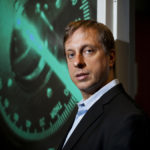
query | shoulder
(117,102)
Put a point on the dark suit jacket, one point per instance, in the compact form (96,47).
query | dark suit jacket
(114,122)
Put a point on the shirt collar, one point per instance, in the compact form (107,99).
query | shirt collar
(93,99)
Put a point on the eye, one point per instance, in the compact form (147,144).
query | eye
(70,55)
(88,52)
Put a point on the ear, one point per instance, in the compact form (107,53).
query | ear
(112,58)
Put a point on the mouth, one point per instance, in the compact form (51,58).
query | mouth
(82,76)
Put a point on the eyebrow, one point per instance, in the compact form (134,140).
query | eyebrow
(82,47)
(68,50)
(88,45)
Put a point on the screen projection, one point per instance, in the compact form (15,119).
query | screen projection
(37,97)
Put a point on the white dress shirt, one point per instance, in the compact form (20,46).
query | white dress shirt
(85,105)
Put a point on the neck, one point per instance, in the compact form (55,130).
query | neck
(86,95)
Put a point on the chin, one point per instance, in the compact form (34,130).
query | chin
(92,88)
(88,89)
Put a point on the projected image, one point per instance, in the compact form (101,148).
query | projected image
(37,96)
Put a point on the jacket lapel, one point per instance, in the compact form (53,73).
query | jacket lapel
(69,127)
(93,113)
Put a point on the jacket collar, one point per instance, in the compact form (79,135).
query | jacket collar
(93,113)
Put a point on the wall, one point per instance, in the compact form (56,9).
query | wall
(142,40)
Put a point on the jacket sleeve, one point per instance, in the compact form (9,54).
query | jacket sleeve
(132,133)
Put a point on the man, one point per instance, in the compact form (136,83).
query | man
(107,117)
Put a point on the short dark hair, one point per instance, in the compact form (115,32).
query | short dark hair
(104,34)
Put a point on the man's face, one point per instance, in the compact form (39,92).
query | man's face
(88,63)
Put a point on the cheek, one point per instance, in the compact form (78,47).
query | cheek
(70,69)
(99,68)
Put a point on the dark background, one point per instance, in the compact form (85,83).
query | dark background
(142,53)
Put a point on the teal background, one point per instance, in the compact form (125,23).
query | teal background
(37,97)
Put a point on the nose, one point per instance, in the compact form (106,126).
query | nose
(79,61)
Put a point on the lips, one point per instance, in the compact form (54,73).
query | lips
(81,76)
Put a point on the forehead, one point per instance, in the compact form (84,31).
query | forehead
(83,34)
